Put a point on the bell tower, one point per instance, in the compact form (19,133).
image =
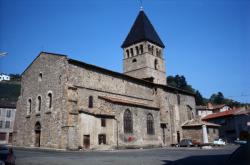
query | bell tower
(143,52)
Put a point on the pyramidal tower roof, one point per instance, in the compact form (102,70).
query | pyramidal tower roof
(142,30)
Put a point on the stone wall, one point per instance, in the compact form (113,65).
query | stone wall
(195,133)
(143,65)
(139,137)
(71,84)
(174,113)
(47,74)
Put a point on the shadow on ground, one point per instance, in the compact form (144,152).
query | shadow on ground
(200,160)
(240,156)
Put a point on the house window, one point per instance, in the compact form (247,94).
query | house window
(1,124)
(90,101)
(50,99)
(7,124)
(137,50)
(8,113)
(39,100)
(2,136)
(208,130)
(141,48)
(128,122)
(103,122)
(102,139)
(150,124)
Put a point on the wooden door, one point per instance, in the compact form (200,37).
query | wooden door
(178,137)
(86,141)
(37,140)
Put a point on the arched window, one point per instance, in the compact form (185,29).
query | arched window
(29,106)
(189,113)
(39,101)
(149,48)
(137,50)
(141,48)
(134,60)
(90,101)
(50,99)
(156,64)
(40,76)
(128,122)
(131,52)
(159,52)
(150,124)
(178,99)
(127,51)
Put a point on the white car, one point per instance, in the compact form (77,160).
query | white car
(219,142)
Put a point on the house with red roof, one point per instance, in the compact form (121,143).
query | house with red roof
(208,109)
(235,123)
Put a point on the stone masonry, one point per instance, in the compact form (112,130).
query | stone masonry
(68,104)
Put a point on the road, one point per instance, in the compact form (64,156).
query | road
(162,156)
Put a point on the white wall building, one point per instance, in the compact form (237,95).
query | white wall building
(7,118)
(4,77)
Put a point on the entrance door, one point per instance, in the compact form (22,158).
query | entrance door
(178,137)
(37,134)
(86,141)
(37,141)
(10,138)
(163,127)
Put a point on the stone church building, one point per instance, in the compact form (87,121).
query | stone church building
(69,104)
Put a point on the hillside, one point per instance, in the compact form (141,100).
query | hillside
(10,90)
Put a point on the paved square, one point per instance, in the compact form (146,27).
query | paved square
(160,156)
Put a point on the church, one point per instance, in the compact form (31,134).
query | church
(69,104)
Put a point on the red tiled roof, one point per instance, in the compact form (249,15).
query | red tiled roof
(198,122)
(221,114)
(97,111)
(242,112)
(128,102)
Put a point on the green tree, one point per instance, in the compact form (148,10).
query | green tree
(15,77)
(199,99)
(217,98)
(179,82)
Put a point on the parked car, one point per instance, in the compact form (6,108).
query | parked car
(219,142)
(7,155)
(240,141)
(186,143)
(196,143)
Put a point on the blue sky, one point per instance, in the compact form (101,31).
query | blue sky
(207,41)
